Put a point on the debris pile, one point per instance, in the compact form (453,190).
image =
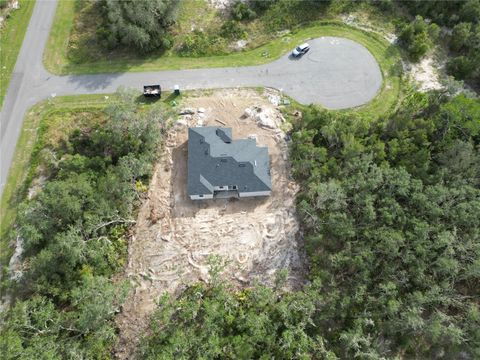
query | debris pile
(265,117)
(175,237)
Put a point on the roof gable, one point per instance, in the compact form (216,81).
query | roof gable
(215,159)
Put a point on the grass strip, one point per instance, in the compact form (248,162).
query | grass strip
(11,39)
(23,164)
(57,62)
(29,145)
(387,55)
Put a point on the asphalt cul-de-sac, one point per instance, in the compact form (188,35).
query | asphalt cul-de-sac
(336,73)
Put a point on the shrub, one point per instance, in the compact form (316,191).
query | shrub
(461,67)
(141,24)
(74,236)
(241,11)
(417,37)
(460,36)
(200,43)
(261,5)
(232,30)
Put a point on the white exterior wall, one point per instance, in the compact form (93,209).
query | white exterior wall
(254,193)
(241,194)
(198,197)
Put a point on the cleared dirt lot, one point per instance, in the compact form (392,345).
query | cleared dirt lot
(175,236)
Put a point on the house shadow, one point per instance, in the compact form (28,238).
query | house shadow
(183,206)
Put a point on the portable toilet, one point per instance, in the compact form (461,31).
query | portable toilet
(176,90)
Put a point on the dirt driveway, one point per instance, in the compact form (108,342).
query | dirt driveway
(175,236)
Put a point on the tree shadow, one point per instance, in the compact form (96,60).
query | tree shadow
(88,46)
(94,83)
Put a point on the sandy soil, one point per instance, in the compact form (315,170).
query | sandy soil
(175,236)
(362,23)
(426,74)
(221,4)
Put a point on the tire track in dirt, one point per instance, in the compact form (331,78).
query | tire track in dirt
(175,236)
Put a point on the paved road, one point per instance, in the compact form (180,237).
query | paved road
(336,73)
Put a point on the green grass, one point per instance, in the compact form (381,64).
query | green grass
(53,116)
(194,12)
(55,53)
(11,38)
(23,164)
(57,60)
(45,126)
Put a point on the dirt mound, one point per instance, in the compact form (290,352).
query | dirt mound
(175,236)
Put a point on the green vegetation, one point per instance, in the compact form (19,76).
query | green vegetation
(463,19)
(418,37)
(386,54)
(90,166)
(389,201)
(141,25)
(241,11)
(388,210)
(390,213)
(210,37)
(23,166)
(194,49)
(208,43)
(11,38)
(217,322)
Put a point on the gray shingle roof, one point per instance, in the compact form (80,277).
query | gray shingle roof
(215,159)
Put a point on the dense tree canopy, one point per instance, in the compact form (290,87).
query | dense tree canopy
(389,210)
(418,37)
(141,24)
(74,237)
(390,213)
(462,21)
(215,322)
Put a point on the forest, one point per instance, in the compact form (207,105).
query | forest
(421,25)
(389,207)
(75,233)
(453,24)
(390,213)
